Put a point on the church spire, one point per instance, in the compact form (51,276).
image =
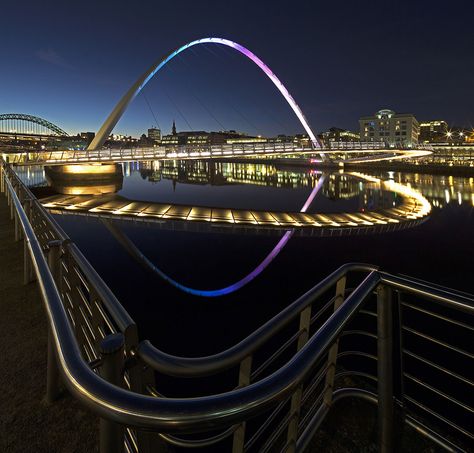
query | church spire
(173,130)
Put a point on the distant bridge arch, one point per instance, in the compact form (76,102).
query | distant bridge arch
(19,122)
(119,109)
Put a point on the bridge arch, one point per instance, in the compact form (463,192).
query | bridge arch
(20,117)
(120,108)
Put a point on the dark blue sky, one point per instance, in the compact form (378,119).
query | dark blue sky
(70,62)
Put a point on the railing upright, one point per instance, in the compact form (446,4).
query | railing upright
(53,378)
(112,353)
(295,406)
(385,369)
(27,267)
(333,351)
(244,380)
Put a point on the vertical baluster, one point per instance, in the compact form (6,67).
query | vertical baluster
(12,208)
(27,267)
(398,368)
(53,377)
(2,178)
(385,369)
(111,349)
(333,351)
(295,407)
(244,380)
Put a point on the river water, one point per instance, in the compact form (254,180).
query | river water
(439,249)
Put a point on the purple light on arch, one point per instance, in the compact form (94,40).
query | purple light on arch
(119,109)
(242,282)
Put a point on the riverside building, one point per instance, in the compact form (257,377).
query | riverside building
(390,127)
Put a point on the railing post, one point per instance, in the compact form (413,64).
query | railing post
(26,263)
(54,258)
(12,207)
(111,350)
(17,227)
(27,267)
(7,193)
(2,181)
(53,378)
(295,407)
(385,369)
(244,380)
(333,351)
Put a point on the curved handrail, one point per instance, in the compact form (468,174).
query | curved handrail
(214,411)
(175,414)
(204,366)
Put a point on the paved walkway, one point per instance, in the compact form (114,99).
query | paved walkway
(27,422)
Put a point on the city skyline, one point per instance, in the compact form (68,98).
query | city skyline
(76,82)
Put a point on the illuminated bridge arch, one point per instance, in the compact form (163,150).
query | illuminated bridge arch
(119,109)
(24,124)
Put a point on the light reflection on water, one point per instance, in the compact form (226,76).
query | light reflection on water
(240,186)
(439,250)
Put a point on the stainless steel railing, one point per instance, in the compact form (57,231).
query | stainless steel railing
(281,381)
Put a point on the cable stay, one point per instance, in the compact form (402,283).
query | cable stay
(151,110)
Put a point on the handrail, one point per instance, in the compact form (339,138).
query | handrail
(203,366)
(442,296)
(176,414)
(213,412)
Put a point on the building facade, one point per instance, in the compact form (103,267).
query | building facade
(203,139)
(390,127)
(433,132)
(154,134)
(336,134)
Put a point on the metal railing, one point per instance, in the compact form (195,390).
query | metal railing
(395,341)
(50,157)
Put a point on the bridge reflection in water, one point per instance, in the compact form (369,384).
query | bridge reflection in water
(406,209)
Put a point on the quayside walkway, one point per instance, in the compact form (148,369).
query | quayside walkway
(27,422)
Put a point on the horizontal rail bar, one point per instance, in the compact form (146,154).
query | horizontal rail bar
(439,392)
(438,342)
(438,416)
(444,297)
(438,316)
(438,367)
(204,366)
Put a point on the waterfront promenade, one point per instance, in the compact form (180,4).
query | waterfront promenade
(27,422)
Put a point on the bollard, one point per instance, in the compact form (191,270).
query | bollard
(111,350)
(385,369)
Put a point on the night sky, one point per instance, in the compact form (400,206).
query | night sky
(70,62)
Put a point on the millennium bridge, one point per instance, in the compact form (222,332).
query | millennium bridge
(364,152)
(399,343)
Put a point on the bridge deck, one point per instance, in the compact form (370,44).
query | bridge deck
(413,207)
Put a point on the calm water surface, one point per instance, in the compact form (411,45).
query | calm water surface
(439,250)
